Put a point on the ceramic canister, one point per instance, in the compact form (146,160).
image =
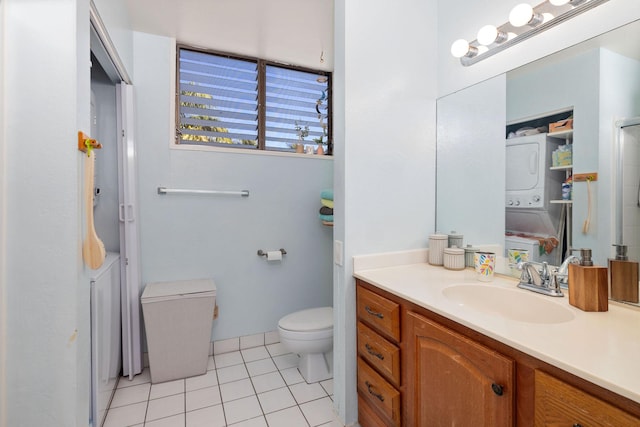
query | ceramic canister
(437,245)
(469,256)
(455,240)
(485,264)
(454,258)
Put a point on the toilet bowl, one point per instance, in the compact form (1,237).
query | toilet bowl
(309,333)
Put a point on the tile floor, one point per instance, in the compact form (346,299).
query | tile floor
(252,387)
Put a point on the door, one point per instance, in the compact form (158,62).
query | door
(456,381)
(129,233)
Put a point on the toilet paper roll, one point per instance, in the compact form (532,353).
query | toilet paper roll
(274,256)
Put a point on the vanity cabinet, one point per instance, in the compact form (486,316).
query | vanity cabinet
(454,381)
(417,368)
(379,375)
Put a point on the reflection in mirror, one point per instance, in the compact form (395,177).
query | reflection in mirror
(627,217)
(598,83)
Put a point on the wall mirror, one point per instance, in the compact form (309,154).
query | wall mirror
(598,83)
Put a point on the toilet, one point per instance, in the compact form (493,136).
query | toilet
(309,333)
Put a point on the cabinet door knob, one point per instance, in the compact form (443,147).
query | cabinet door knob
(373,313)
(378,395)
(577,425)
(498,389)
(372,352)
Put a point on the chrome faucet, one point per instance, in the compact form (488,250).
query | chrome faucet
(563,271)
(543,280)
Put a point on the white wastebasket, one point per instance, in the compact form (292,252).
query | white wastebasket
(178,318)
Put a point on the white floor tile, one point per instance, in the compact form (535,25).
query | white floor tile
(164,407)
(251,341)
(236,390)
(228,359)
(201,381)
(255,353)
(333,423)
(126,415)
(144,377)
(242,409)
(277,349)
(271,337)
(225,346)
(291,417)
(327,385)
(166,389)
(253,422)
(286,361)
(304,392)
(232,373)
(211,364)
(292,376)
(201,398)
(266,382)
(213,416)
(276,400)
(318,412)
(128,395)
(259,367)
(173,421)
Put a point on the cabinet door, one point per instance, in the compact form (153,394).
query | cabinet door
(454,381)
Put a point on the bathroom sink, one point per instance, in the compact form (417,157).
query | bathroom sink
(513,304)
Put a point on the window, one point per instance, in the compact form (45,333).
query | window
(238,102)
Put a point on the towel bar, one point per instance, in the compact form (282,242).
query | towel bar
(164,190)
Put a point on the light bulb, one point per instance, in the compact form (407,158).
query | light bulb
(482,49)
(558,2)
(489,34)
(460,48)
(523,14)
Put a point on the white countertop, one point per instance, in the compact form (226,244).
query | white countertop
(601,347)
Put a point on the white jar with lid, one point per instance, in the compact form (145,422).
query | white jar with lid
(455,239)
(454,258)
(437,244)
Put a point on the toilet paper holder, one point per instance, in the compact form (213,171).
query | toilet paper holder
(264,253)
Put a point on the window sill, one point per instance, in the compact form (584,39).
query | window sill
(249,152)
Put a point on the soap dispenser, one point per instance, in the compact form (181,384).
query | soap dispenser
(588,287)
(623,276)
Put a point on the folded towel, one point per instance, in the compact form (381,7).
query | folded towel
(326,211)
(326,194)
(326,202)
(327,218)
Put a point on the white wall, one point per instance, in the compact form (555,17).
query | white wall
(185,237)
(3,230)
(463,18)
(384,104)
(47,300)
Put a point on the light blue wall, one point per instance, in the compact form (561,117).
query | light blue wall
(184,237)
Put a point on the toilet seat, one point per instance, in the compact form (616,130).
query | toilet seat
(310,320)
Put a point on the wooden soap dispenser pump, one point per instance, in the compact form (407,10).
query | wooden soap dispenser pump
(588,284)
(623,276)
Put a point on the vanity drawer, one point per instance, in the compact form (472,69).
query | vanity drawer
(382,314)
(380,353)
(379,393)
(558,403)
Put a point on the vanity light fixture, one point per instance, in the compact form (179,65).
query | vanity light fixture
(525,21)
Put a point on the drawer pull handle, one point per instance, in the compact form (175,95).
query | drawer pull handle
(577,425)
(373,313)
(498,389)
(378,395)
(373,353)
